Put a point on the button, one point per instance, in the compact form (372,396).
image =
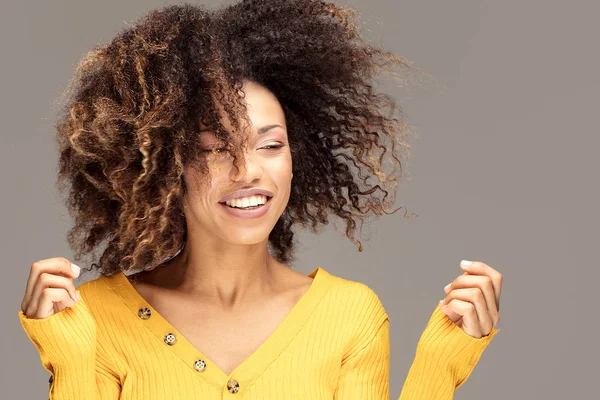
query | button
(170,339)
(233,386)
(144,313)
(200,365)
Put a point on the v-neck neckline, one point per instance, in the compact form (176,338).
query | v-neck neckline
(254,364)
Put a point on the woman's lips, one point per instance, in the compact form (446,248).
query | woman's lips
(248,214)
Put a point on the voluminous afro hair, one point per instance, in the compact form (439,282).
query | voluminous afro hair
(131,122)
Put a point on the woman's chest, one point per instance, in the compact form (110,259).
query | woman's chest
(189,345)
(226,338)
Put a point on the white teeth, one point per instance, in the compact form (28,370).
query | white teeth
(247,201)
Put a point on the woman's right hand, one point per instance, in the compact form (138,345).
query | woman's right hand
(50,287)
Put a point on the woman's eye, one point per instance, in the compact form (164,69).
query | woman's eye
(273,146)
(219,150)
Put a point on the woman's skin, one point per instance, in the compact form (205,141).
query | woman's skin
(224,292)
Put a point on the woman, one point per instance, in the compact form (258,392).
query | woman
(193,143)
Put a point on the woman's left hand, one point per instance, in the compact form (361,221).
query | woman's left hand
(473,299)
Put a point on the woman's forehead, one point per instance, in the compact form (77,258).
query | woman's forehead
(262,109)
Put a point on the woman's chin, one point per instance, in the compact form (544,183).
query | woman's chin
(247,235)
(247,240)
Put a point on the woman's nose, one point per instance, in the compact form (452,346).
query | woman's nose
(247,168)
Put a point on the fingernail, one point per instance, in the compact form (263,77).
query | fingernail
(77,295)
(447,287)
(465,263)
(76,269)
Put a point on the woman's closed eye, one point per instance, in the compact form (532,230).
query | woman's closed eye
(223,149)
(273,146)
(220,149)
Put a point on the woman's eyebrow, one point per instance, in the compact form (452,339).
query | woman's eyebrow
(268,127)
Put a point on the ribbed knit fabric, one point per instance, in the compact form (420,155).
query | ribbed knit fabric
(334,344)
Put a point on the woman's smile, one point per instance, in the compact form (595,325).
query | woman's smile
(250,212)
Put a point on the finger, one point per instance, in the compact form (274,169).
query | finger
(479,268)
(51,301)
(447,288)
(457,310)
(483,283)
(56,266)
(47,280)
(475,297)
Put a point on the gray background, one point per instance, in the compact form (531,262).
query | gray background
(504,172)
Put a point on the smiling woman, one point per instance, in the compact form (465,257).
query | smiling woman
(193,145)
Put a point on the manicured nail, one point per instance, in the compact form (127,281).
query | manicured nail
(76,269)
(465,263)
(447,287)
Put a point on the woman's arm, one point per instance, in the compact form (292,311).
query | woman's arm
(445,357)
(66,342)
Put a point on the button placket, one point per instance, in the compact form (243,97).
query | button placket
(170,338)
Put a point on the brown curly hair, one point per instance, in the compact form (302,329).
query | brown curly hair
(131,122)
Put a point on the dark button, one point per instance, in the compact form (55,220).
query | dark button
(144,313)
(233,386)
(200,365)
(170,339)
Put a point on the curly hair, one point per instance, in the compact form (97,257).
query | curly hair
(133,108)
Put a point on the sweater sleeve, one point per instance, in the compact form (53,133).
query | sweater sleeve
(67,345)
(365,373)
(444,359)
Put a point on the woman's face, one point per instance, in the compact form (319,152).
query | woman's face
(267,165)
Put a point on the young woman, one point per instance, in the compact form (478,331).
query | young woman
(192,145)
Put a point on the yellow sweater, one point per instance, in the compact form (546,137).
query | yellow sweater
(334,344)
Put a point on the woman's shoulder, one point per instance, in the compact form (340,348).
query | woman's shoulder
(358,299)
(100,296)
(94,287)
(357,310)
(354,288)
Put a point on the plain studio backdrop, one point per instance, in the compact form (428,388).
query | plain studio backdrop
(504,171)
